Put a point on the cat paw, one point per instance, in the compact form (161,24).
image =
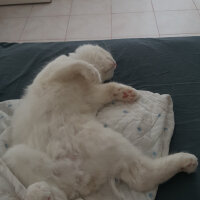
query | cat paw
(190,163)
(39,191)
(125,93)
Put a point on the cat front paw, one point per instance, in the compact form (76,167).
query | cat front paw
(125,93)
(189,163)
(39,191)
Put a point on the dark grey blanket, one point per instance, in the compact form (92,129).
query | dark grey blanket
(167,65)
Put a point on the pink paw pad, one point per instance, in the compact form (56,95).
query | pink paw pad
(125,95)
(129,94)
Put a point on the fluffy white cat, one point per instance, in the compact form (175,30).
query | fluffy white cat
(60,151)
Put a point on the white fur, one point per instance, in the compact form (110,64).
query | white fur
(59,150)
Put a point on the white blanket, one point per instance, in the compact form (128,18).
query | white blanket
(148,123)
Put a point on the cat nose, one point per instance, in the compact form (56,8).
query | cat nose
(114,64)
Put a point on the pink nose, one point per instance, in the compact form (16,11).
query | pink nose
(115,65)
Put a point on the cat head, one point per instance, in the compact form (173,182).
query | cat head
(101,59)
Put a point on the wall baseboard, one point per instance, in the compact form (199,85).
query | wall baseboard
(15,2)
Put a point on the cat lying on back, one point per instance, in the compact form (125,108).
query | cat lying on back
(60,151)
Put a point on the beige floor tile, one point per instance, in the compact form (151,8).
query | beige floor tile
(11,28)
(40,28)
(173,4)
(15,11)
(91,20)
(177,22)
(119,6)
(134,24)
(91,7)
(197,3)
(57,7)
(89,26)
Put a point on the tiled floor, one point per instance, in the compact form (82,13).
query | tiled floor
(67,20)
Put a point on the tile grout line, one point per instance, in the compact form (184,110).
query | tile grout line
(155,18)
(45,16)
(146,11)
(101,13)
(26,22)
(88,14)
(43,40)
(196,7)
(194,4)
(70,12)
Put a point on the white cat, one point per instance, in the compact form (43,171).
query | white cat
(60,151)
